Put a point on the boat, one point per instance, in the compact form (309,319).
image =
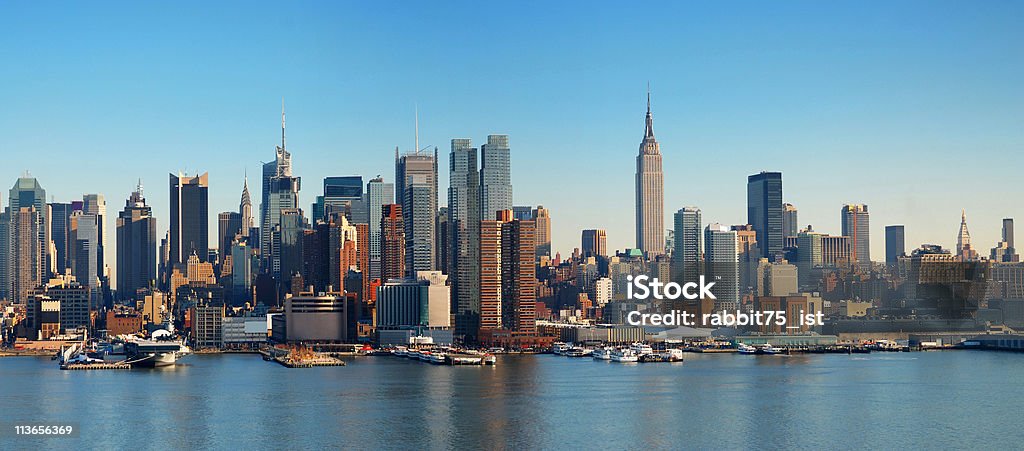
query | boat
(641,348)
(745,349)
(769,350)
(624,355)
(155,352)
(400,351)
(559,348)
(490,359)
(577,351)
(425,356)
(672,355)
(437,358)
(602,354)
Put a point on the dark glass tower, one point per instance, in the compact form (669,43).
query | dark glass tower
(189,217)
(764,211)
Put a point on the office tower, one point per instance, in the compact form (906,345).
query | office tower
(60,215)
(280,192)
(464,235)
(650,219)
(5,253)
(287,242)
(1008,232)
(392,242)
(522,212)
(542,218)
(895,245)
(790,224)
(27,192)
(963,241)
(423,301)
(594,243)
(377,195)
(1004,250)
(416,191)
(229,224)
(441,234)
(836,251)
(25,256)
(242,267)
(96,204)
(722,265)
(507,279)
(344,195)
(856,227)
(189,199)
(776,279)
(764,211)
(136,246)
(686,254)
(245,209)
(495,175)
(749,256)
(84,246)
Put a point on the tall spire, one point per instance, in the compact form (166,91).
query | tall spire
(138,188)
(649,129)
(282,124)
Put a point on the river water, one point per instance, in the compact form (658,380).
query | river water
(947,399)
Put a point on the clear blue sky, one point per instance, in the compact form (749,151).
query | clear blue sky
(915,108)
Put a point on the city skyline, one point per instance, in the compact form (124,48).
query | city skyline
(71,115)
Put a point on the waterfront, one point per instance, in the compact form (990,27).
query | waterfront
(948,399)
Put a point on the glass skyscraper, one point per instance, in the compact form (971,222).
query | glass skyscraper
(764,211)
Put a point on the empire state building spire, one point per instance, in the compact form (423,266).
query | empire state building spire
(650,217)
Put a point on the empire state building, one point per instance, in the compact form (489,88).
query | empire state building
(650,197)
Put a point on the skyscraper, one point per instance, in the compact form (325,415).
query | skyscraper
(507,279)
(495,175)
(686,254)
(280,192)
(245,209)
(1008,232)
(594,242)
(542,220)
(27,268)
(190,223)
(60,215)
(377,195)
(749,256)
(963,241)
(790,223)
(345,195)
(229,224)
(136,246)
(722,265)
(392,242)
(894,243)
(650,217)
(28,239)
(1004,250)
(464,235)
(764,211)
(856,226)
(84,245)
(416,191)
(96,204)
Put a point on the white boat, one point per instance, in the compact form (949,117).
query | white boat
(559,348)
(490,359)
(577,351)
(769,349)
(437,358)
(602,354)
(745,349)
(672,355)
(624,355)
(641,349)
(400,351)
(425,356)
